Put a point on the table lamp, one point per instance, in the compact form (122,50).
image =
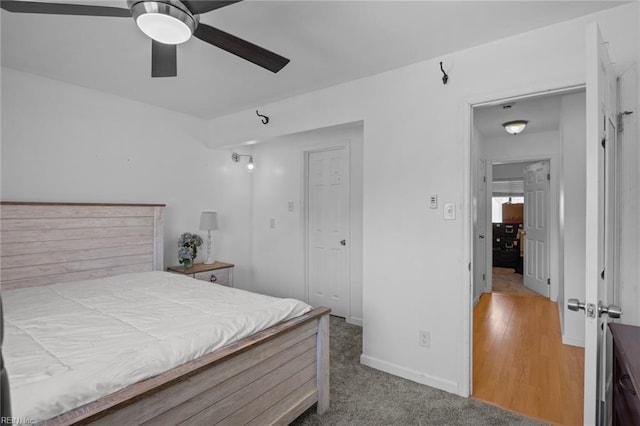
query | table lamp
(209,222)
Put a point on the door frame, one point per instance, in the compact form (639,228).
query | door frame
(465,382)
(486,215)
(346,145)
(555,284)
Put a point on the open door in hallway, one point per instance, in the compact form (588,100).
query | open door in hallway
(536,227)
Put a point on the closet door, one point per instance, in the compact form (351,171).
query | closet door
(328,229)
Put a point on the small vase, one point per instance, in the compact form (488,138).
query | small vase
(187,263)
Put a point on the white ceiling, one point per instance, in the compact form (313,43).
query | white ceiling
(328,42)
(542,113)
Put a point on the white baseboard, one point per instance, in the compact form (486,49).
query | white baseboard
(355,321)
(407,373)
(572,341)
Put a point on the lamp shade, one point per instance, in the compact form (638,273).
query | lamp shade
(163,21)
(515,127)
(209,221)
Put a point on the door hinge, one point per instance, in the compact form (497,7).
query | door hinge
(469,265)
(484,178)
(548,176)
(602,274)
(548,281)
(604,142)
(620,123)
(484,277)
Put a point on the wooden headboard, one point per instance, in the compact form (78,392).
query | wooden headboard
(48,243)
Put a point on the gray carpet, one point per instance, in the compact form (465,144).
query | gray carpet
(364,396)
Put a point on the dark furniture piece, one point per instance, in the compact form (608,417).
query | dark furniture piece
(506,251)
(626,374)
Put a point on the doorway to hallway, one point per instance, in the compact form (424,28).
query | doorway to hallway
(517,335)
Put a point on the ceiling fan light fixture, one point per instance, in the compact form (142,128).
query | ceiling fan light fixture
(515,127)
(165,22)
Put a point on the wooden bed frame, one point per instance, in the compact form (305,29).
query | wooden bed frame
(268,378)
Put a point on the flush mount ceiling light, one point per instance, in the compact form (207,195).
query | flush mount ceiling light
(515,127)
(168,23)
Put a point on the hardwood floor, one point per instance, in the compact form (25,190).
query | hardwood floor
(519,361)
(506,280)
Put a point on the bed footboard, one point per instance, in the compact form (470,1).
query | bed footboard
(269,378)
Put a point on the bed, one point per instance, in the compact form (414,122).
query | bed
(267,377)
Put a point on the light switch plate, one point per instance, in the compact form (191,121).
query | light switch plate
(449,211)
(433,201)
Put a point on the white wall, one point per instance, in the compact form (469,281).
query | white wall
(415,263)
(66,143)
(508,171)
(278,254)
(573,135)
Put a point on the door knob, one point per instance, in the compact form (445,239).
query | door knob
(612,310)
(575,305)
(343,242)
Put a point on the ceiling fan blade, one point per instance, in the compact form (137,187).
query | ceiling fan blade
(63,9)
(163,60)
(203,6)
(249,51)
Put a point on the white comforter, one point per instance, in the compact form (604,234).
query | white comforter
(68,344)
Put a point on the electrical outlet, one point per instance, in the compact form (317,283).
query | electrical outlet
(290,206)
(424,338)
(272,223)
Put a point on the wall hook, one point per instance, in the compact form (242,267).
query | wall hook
(264,118)
(445,77)
(620,122)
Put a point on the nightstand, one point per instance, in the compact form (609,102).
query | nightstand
(203,271)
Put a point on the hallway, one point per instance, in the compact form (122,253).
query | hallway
(519,361)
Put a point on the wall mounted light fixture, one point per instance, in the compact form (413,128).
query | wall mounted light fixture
(236,158)
(515,127)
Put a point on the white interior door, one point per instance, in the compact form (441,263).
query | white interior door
(480,232)
(600,222)
(609,281)
(328,229)
(536,227)
(628,228)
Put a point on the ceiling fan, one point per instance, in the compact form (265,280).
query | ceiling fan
(168,23)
